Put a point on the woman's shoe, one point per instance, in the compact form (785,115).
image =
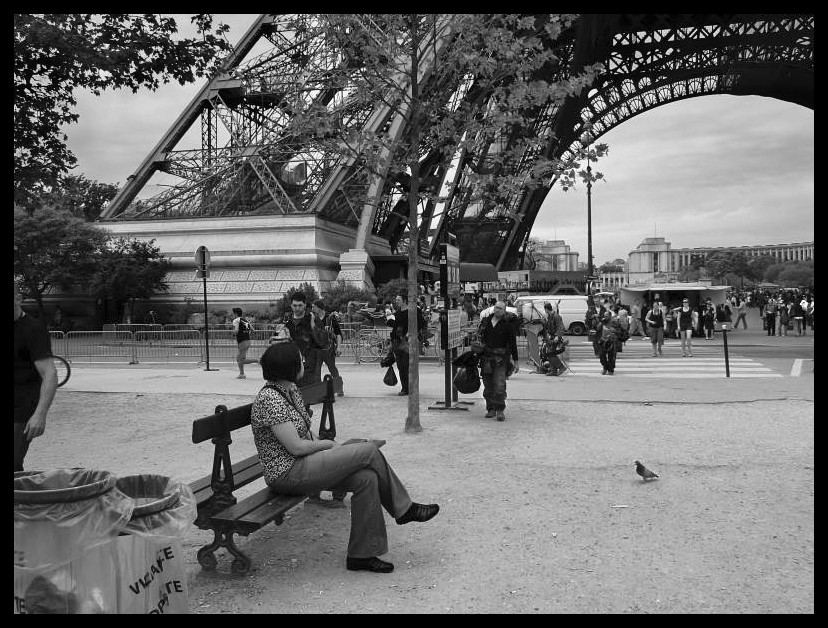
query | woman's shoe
(419,512)
(368,564)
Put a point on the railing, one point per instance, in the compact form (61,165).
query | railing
(182,343)
(167,345)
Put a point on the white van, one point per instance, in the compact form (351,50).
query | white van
(571,307)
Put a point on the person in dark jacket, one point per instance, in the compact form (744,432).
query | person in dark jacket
(303,325)
(399,338)
(498,361)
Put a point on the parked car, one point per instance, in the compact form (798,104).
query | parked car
(571,307)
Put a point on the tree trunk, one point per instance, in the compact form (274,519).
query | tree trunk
(412,421)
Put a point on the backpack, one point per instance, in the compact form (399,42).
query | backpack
(244,331)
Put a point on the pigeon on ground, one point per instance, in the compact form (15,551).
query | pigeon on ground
(644,472)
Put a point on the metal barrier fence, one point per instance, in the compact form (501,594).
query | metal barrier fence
(166,345)
(99,344)
(363,343)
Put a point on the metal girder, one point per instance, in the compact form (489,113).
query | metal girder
(251,159)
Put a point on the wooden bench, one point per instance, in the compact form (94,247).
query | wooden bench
(218,508)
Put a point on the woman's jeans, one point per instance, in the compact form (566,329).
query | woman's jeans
(359,468)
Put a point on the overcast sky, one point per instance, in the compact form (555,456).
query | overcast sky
(707,171)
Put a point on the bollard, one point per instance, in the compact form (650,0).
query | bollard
(727,357)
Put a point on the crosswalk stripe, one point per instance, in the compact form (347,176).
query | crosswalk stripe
(636,360)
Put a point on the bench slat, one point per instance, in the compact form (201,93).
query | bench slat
(244,472)
(221,423)
(258,510)
(218,424)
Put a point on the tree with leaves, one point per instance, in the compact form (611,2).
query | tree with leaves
(56,54)
(126,270)
(398,64)
(531,254)
(81,197)
(53,248)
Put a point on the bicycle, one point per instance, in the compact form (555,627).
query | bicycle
(64,369)
(372,345)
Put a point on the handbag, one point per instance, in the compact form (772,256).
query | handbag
(389,359)
(467,380)
(390,378)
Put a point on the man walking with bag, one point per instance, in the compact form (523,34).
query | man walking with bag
(399,338)
(499,359)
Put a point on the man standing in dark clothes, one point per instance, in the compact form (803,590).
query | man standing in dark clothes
(333,333)
(499,359)
(399,338)
(302,324)
(35,379)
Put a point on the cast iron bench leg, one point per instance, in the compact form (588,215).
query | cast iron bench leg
(224,538)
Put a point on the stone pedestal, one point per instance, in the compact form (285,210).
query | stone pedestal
(356,269)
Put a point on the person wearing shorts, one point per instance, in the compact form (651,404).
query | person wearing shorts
(687,321)
(242,329)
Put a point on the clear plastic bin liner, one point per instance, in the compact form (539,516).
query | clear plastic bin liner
(163,506)
(60,485)
(151,567)
(64,523)
(86,585)
(84,509)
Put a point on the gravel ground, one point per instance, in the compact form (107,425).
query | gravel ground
(541,514)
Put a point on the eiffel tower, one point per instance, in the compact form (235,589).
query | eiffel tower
(244,166)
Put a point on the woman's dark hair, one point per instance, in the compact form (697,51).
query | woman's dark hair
(282,360)
(237,311)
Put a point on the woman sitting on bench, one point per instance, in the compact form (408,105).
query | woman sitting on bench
(296,463)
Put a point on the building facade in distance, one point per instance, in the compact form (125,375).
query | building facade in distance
(655,259)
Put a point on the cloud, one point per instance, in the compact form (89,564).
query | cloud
(708,171)
(705,171)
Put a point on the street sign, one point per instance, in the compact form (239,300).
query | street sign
(451,335)
(202,257)
(449,271)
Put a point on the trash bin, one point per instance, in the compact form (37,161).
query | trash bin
(64,523)
(151,568)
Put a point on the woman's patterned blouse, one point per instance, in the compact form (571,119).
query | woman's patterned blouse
(270,408)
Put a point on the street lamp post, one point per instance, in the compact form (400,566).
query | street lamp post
(589,217)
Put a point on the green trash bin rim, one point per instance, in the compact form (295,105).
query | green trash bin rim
(165,499)
(28,485)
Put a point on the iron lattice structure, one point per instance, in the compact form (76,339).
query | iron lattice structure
(251,160)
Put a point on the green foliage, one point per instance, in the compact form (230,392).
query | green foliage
(390,289)
(81,197)
(341,293)
(54,248)
(128,269)
(501,61)
(689,274)
(55,54)
(797,275)
(283,306)
(757,266)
